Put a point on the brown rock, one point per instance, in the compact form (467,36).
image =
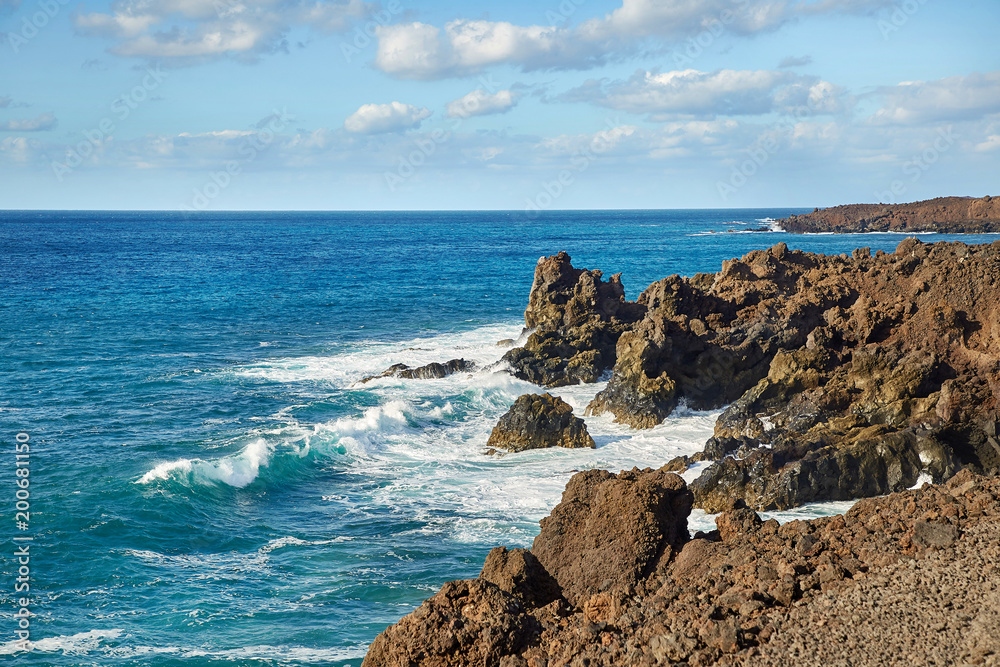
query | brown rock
(612,532)
(955,215)
(467,622)
(519,573)
(539,421)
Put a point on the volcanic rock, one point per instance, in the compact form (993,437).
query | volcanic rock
(612,532)
(518,572)
(430,371)
(471,622)
(912,575)
(538,421)
(577,318)
(953,215)
(845,376)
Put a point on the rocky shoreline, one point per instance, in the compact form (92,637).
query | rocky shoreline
(845,376)
(614,579)
(951,215)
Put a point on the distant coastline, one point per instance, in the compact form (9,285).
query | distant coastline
(948,215)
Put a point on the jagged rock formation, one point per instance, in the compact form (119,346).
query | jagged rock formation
(892,571)
(955,215)
(431,371)
(577,318)
(846,376)
(538,421)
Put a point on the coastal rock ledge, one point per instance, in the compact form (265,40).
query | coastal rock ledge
(614,579)
(842,376)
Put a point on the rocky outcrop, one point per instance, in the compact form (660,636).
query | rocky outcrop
(538,421)
(577,318)
(611,533)
(954,215)
(470,622)
(845,376)
(429,372)
(892,571)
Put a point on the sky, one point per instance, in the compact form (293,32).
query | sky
(547,104)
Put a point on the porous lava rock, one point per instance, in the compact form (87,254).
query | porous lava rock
(431,371)
(612,532)
(877,581)
(537,421)
(576,317)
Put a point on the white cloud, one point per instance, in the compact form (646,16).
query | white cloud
(421,51)
(383,118)
(195,30)
(992,143)
(18,149)
(954,98)
(481,103)
(723,92)
(40,123)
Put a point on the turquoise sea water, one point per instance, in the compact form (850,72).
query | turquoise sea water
(210,486)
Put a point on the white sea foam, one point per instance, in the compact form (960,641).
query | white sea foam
(423,443)
(237,470)
(78,644)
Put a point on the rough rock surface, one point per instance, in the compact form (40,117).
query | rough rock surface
(612,532)
(536,421)
(577,318)
(519,572)
(911,578)
(846,376)
(956,215)
(429,372)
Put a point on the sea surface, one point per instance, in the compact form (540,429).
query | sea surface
(209,482)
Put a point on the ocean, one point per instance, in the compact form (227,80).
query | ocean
(209,482)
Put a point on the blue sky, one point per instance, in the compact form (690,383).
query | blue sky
(550,104)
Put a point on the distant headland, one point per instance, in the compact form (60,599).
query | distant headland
(951,215)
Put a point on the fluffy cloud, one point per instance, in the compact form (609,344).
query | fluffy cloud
(481,103)
(952,99)
(724,92)
(195,30)
(421,51)
(40,123)
(384,118)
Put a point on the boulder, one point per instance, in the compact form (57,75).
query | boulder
(611,533)
(539,421)
(470,622)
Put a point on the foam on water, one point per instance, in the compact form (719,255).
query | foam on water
(237,470)
(81,643)
(424,441)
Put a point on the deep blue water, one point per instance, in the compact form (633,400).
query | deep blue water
(209,486)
